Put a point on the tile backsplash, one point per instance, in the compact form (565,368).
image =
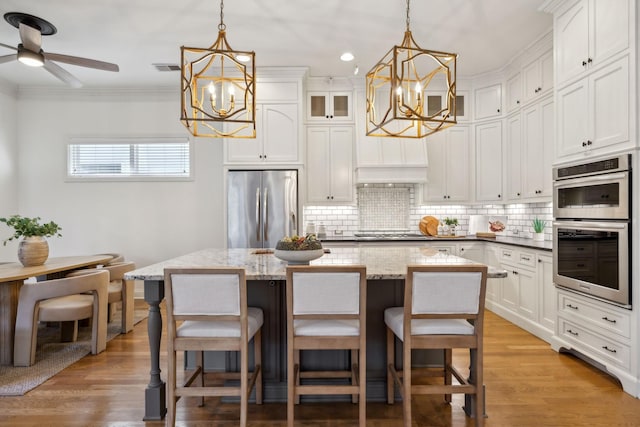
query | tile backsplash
(394,207)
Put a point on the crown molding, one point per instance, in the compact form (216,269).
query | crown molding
(64,93)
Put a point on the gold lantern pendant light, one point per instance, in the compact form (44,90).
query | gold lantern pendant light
(218,89)
(396,87)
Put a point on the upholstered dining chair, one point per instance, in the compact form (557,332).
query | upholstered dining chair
(326,310)
(207,311)
(120,291)
(61,300)
(443,309)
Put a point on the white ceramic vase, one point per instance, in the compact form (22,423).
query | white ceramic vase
(33,251)
(538,237)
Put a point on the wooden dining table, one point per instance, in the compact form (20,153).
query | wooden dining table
(12,277)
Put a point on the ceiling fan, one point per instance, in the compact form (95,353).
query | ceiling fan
(30,51)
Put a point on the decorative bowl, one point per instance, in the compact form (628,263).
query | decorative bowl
(298,257)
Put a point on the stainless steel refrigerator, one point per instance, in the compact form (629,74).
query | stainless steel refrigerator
(262,207)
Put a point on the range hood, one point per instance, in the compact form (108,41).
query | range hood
(401,174)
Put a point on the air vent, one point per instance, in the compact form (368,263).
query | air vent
(167,67)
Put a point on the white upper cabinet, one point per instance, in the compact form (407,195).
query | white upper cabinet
(329,106)
(436,101)
(489,162)
(514,150)
(488,102)
(449,166)
(537,76)
(514,92)
(330,164)
(587,33)
(538,131)
(276,141)
(593,113)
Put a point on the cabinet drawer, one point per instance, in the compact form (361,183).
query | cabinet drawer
(595,344)
(527,258)
(593,314)
(516,257)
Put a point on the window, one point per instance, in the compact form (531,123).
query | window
(129,158)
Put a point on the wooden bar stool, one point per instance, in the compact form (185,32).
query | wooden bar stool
(207,311)
(326,310)
(439,303)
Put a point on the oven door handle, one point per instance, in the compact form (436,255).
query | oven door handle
(591,225)
(591,179)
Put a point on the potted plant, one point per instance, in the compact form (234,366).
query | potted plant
(452,223)
(538,228)
(33,249)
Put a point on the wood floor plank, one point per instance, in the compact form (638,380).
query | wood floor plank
(527,385)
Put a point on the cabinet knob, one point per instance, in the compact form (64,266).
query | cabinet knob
(589,60)
(539,89)
(498,110)
(518,194)
(499,196)
(584,144)
(589,142)
(584,63)
(518,101)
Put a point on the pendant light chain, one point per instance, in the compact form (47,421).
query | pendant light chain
(222,26)
(408,15)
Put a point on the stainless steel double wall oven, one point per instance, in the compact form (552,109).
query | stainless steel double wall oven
(592,228)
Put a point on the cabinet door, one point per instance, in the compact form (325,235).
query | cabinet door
(318,164)
(435,189)
(341,170)
(571,31)
(280,127)
(548,293)
(458,164)
(538,149)
(510,289)
(609,104)
(489,162)
(514,92)
(247,150)
(610,28)
(527,294)
(572,122)
(513,146)
(329,106)
(538,76)
(488,102)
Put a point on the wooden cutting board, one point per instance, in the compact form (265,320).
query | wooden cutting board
(429,226)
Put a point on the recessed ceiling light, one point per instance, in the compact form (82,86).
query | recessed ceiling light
(347,56)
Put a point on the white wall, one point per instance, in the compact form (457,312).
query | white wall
(8,164)
(147,221)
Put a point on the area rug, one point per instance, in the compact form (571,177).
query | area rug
(53,356)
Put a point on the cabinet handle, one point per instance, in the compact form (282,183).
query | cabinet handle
(584,63)
(589,60)
(584,144)
(515,272)
(539,89)
(589,142)
(572,306)
(526,258)
(609,320)
(611,350)
(575,334)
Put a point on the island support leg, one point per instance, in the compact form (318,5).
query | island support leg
(469,402)
(155,404)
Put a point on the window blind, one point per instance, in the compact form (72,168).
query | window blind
(126,158)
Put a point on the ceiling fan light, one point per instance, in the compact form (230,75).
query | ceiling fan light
(32,59)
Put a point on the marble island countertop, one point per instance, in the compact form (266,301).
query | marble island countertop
(507,240)
(388,262)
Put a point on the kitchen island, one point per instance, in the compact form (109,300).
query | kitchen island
(386,271)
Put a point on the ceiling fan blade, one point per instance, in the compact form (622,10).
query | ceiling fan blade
(31,37)
(8,58)
(82,62)
(8,47)
(62,74)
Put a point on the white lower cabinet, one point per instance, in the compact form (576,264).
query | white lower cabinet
(598,330)
(526,297)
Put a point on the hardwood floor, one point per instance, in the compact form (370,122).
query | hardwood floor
(527,384)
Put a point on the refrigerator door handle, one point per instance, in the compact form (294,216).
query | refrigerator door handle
(266,214)
(293,224)
(258,214)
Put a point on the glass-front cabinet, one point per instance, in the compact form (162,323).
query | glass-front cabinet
(333,106)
